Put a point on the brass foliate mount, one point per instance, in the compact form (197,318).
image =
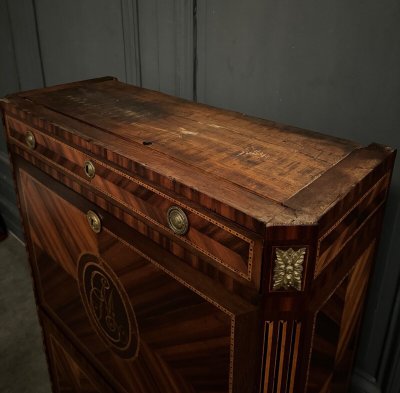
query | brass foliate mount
(30,140)
(177,220)
(94,221)
(288,270)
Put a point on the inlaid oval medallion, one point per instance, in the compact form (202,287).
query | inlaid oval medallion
(108,306)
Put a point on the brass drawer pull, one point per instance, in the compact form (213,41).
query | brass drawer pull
(94,221)
(89,169)
(30,140)
(177,220)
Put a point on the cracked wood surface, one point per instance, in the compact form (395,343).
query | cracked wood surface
(235,157)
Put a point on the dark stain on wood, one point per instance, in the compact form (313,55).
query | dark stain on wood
(206,315)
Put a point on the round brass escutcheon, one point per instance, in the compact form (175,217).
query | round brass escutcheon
(94,221)
(30,140)
(89,169)
(177,220)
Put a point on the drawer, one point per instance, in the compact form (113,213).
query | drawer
(147,321)
(232,247)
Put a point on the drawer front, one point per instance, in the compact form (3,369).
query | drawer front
(140,318)
(70,372)
(230,246)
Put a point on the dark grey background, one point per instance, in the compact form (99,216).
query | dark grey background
(331,66)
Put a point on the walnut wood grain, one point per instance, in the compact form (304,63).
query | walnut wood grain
(180,130)
(230,151)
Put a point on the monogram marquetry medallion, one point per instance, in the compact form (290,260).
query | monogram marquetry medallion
(108,307)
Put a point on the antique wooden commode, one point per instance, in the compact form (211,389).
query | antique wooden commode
(179,248)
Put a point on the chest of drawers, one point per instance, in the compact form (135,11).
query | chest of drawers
(179,248)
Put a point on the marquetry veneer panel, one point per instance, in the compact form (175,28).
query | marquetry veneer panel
(335,329)
(69,371)
(335,239)
(226,243)
(262,291)
(196,260)
(152,300)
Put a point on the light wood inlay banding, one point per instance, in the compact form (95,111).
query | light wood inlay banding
(280,357)
(335,239)
(231,248)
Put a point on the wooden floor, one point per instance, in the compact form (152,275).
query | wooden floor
(22,361)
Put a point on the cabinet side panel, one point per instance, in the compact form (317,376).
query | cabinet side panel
(335,330)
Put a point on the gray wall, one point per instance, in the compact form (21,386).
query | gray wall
(328,66)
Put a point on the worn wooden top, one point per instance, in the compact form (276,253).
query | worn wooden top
(228,155)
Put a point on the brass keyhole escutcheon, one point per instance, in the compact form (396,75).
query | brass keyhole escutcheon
(177,220)
(89,169)
(94,221)
(30,140)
